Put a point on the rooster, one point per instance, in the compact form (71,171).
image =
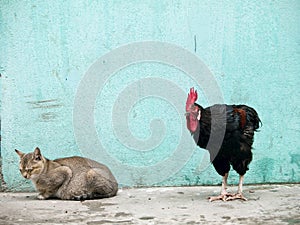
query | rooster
(232,147)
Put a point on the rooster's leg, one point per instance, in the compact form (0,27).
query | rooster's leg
(224,194)
(239,194)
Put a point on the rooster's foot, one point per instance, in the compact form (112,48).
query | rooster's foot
(237,196)
(227,197)
(222,197)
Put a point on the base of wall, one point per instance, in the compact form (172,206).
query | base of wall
(3,186)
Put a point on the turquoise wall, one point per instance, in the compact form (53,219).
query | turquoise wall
(78,78)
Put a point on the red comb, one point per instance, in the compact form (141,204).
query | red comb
(191,99)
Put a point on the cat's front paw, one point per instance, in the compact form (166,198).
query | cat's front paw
(81,197)
(41,197)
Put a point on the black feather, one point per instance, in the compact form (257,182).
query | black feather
(239,123)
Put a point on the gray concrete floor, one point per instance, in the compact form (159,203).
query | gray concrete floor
(267,204)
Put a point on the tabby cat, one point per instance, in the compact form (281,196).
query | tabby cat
(73,178)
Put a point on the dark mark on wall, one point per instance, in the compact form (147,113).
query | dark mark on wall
(44,101)
(43,105)
(295,158)
(47,106)
(49,116)
(195,43)
(51,103)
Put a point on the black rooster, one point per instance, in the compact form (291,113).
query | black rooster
(226,131)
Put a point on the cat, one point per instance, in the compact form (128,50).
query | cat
(73,178)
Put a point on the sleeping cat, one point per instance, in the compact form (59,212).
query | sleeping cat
(73,178)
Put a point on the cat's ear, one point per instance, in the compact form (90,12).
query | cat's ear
(37,154)
(21,154)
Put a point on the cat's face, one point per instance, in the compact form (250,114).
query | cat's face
(32,164)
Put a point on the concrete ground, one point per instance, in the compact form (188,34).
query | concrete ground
(267,204)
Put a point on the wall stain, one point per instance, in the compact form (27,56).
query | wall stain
(266,166)
(46,104)
(295,158)
(49,116)
(50,103)
(195,43)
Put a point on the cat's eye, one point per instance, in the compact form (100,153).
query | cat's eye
(38,158)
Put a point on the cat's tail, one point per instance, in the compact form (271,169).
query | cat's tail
(110,191)
(94,196)
(97,195)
